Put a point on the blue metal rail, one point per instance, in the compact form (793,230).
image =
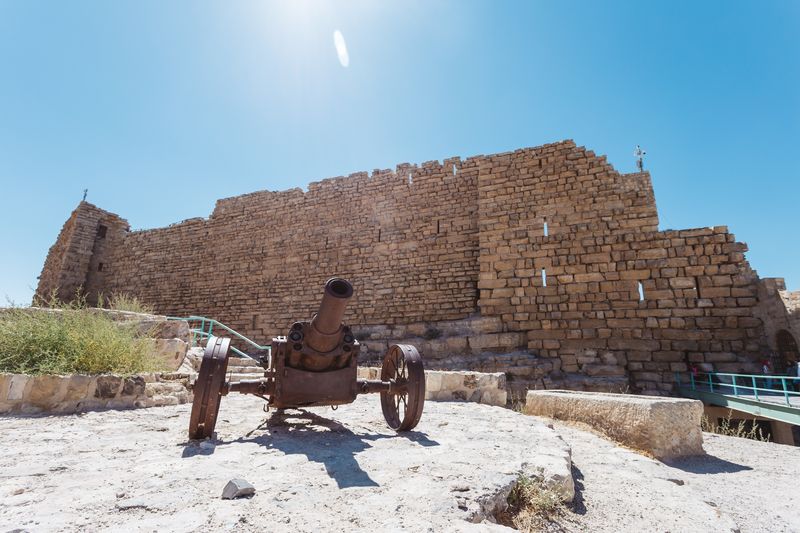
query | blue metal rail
(774,397)
(203,327)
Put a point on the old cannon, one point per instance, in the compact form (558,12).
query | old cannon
(315,364)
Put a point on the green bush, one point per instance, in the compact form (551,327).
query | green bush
(69,339)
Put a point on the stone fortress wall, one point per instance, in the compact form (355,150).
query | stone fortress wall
(527,262)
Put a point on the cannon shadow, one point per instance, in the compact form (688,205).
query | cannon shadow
(321,440)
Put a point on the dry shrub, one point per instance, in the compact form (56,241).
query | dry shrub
(126,302)
(531,505)
(729,428)
(71,338)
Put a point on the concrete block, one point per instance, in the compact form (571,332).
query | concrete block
(663,427)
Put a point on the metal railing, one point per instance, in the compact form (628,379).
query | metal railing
(203,327)
(761,387)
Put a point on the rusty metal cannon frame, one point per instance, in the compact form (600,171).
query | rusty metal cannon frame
(315,364)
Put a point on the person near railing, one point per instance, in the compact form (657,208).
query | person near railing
(793,370)
(766,369)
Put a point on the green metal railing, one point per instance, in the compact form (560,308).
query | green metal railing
(773,397)
(745,385)
(203,327)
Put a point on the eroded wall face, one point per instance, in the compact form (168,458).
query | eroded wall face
(604,295)
(407,240)
(528,262)
(75,263)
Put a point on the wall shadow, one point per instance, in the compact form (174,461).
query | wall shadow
(705,464)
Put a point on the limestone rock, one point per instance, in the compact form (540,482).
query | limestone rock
(315,469)
(133,386)
(237,488)
(107,386)
(47,391)
(17,386)
(663,427)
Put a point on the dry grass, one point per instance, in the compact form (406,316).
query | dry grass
(728,427)
(531,506)
(125,302)
(71,338)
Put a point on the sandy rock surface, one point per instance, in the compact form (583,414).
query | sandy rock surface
(740,485)
(314,470)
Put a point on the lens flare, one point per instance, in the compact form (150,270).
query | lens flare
(341,48)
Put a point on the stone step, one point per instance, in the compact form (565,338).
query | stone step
(233,378)
(158,388)
(242,362)
(238,376)
(246,369)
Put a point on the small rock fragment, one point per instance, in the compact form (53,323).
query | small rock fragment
(237,488)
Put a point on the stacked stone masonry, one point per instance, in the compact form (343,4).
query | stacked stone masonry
(544,263)
(24,394)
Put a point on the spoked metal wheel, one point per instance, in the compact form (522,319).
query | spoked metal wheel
(208,388)
(403,366)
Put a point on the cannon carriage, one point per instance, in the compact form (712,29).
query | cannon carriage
(315,364)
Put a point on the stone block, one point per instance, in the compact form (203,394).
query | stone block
(603,370)
(682,283)
(663,427)
(494,397)
(452,381)
(162,400)
(5,383)
(470,381)
(455,344)
(653,253)
(496,380)
(17,386)
(172,329)
(47,391)
(107,387)
(237,488)
(170,352)
(133,386)
(433,381)
(78,388)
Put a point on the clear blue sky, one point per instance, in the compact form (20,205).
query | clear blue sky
(160,108)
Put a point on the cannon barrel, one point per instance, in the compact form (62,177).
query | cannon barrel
(324,333)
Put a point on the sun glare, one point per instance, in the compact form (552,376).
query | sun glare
(341,48)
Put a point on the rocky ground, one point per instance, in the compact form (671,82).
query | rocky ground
(324,470)
(318,470)
(739,485)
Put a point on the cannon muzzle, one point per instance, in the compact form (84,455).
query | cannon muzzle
(324,333)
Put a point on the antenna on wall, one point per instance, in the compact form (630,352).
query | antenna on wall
(639,154)
(85,192)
